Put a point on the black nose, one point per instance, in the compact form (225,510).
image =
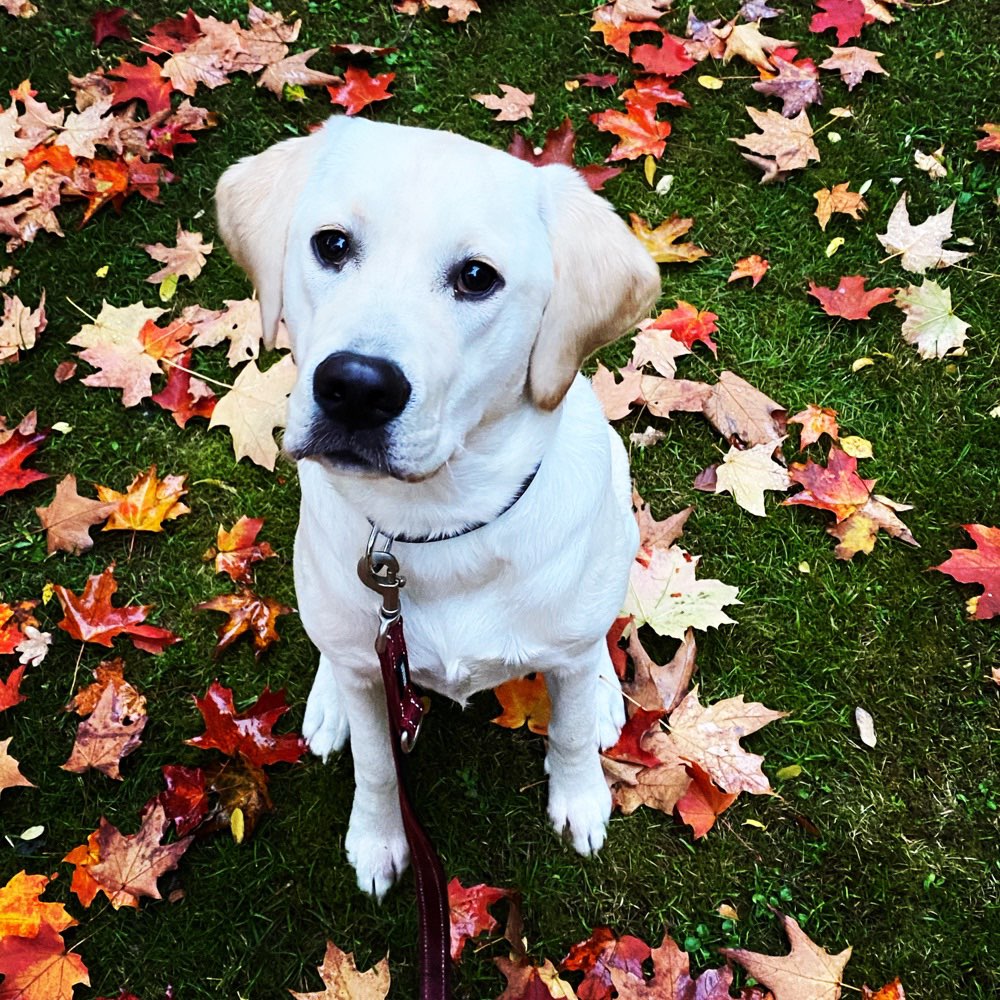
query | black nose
(360,392)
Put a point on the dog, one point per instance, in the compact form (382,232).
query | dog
(441,296)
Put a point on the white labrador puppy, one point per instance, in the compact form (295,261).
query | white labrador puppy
(441,296)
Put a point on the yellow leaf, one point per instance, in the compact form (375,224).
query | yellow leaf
(862,363)
(47,591)
(649,169)
(728,912)
(572,85)
(710,82)
(236,825)
(102,272)
(756,823)
(792,771)
(804,567)
(856,447)
(167,287)
(834,245)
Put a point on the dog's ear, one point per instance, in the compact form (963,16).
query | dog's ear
(254,201)
(605,282)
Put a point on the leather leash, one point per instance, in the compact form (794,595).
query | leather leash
(379,570)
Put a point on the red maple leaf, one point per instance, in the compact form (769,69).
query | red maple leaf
(238,549)
(979,565)
(249,732)
(640,133)
(163,138)
(469,911)
(835,487)
(13,619)
(185,800)
(629,745)
(92,618)
(145,178)
(654,90)
(145,83)
(184,395)
(687,325)
(560,145)
(107,23)
(17,446)
(598,955)
(10,689)
(40,967)
(669,58)
(100,181)
(703,803)
(619,34)
(174,34)
(847,16)
(360,89)
(849,299)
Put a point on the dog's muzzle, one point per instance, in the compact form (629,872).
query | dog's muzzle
(356,392)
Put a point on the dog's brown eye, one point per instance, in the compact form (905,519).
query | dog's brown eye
(476,278)
(331,246)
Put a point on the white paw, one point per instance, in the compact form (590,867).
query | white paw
(325,726)
(583,808)
(377,850)
(610,708)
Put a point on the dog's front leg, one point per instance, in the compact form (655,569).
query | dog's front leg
(376,841)
(579,799)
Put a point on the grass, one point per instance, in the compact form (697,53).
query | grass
(904,865)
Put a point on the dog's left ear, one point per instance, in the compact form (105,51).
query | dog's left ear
(254,200)
(605,282)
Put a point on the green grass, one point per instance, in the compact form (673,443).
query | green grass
(905,865)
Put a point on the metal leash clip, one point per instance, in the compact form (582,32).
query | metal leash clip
(379,571)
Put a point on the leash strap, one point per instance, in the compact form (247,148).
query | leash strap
(378,570)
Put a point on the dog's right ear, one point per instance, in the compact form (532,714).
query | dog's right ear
(254,202)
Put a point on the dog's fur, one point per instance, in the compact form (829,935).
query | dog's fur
(495,393)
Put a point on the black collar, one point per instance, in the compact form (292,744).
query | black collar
(469,528)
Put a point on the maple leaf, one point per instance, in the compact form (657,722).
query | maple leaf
(147,502)
(130,864)
(838,199)
(532,982)
(931,324)
(639,131)
(852,63)
(239,323)
(629,745)
(748,42)
(248,733)
(653,91)
(742,413)
(655,345)
(848,17)
(16,446)
(39,968)
(815,421)
(657,534)
(600,955)
(992,140)
(360,89)
(560,143)
(238,549)
(23,913)
(19,327)
(797,87)
(185,395)
(109,674)
(10,689)
(835,487)
(83,131)
(512,105)
(112,345)
(292,71)
(858,531)
(254,407)
(145,83)
(13,619)
(747,473)
(10,777)
(91,617)
(342,980)
(919,246)
(249,614)
(849,300)
(469,912)
(703,38)
(669,58)
(806,973)
(663,396)
(672,978)
(784,143)
(688,325)
(185,799)
(235,786)
(702,804)
(891,991)
(979,565)
(616,398)
(524,700)
(758,10)
(82,857)
(617,31)
(185,259)
(754,267)
(661,242)
(107,23)
(659,688)
(67,519)
(666,595)
(104,739)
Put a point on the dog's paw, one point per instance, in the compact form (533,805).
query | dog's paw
(325,726)
(582,809)
(378,854)
(610,708)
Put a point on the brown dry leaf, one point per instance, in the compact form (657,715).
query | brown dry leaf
(783,143)
(749,43)
(292,70)
(512,106)
(661,242)
(239,323)
(84,130)
(852,62)
(838,199)
(458,10)
(920,247)
(147,502)
(248,613)
(69,517)
(616,398)
(664,396)
(10,774)
(19,326)
(806,973)
(186,259)
(656,687)
(658,347)
(739,412)
(657,534)
(797,87)
(106,737)
(343,981)
(857,532)
(254,407)
(109,673)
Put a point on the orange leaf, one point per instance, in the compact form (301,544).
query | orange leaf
(248,613)
(360,89)
(661,242)
(703,803)
(640,133)
(524,700)
(238,549)
(147,502)
(754,267)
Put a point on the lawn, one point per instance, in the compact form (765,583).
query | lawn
(893,850)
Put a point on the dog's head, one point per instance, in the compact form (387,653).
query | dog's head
(429,283)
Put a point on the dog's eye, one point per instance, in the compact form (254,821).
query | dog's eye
(331,246)
(476,279)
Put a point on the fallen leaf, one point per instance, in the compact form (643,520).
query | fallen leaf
(237,550)
(14,618)
(797,87)
(616,398)
(532,982)
(847,17)
(657,534)
(343,981)
(292,71)
(816,421)
(617,31)
(239,323)
(748,42)
(40,968)
(784,144)
(742,413)
(979,565)
(703,803)
(838,199)
(866,727)
(19,327)
(754,267)
(524,700)
(601,954)
(857,532)
(360,89)
(931,324)
(849,300)
(640,132)
(248,614)
(109,674)
(669,58)
(661,242)
(106,737)
(512,105)
(891,991)
(10,689)
(185,259)
(185,395)
(835,487)
(747,473)
(10,777)
(16,446)
(69,517)
(145,83)
(852,63)
(146,503)
(469,912)
(687,325)
(107,23)
(919,247)
(992,140)
(34,647)
(931,163)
